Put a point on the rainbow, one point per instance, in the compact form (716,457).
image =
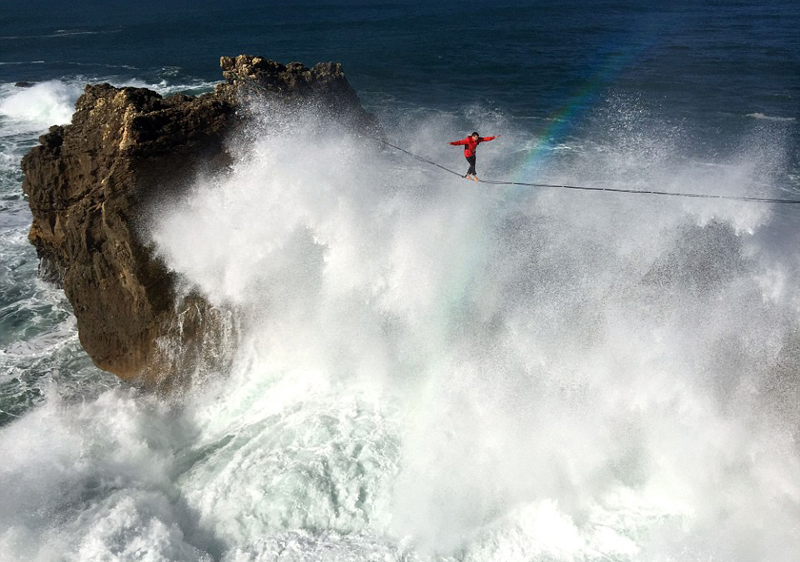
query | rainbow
(563,120)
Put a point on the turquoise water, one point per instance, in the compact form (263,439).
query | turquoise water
(430,369)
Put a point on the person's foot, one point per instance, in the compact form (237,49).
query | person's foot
(475,178)
(468,177)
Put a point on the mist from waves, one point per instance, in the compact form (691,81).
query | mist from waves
(436,369)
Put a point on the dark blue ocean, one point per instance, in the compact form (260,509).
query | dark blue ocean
(702,64)
(428,368)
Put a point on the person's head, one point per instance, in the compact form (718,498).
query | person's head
(475,135)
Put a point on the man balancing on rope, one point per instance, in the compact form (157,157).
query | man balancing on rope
(470,146)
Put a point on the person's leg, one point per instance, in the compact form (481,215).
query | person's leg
(471,171)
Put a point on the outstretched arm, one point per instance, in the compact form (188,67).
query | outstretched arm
(486,139)
(458,142)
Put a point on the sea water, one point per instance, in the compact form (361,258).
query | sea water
(428,368)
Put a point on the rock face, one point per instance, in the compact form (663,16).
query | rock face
(90,183)
(322,88)
(325,82)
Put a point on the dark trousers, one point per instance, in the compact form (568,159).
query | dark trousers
(471,171)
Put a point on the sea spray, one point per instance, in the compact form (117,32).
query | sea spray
(435,369)
(39,106)
(546,373)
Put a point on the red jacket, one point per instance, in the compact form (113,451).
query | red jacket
(470,145)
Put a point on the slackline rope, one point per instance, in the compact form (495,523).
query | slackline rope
(591,188)
(748,199)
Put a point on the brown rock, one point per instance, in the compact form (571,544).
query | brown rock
(90,183)
(324,87)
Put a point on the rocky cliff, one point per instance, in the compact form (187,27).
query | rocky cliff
(90,183)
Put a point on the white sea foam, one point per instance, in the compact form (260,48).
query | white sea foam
(101,483)
(36,108)
(12,63)
(771,117)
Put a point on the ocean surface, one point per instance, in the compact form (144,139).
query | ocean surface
(429,368)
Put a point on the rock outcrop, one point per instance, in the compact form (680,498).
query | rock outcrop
(90,183)
(325,83)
